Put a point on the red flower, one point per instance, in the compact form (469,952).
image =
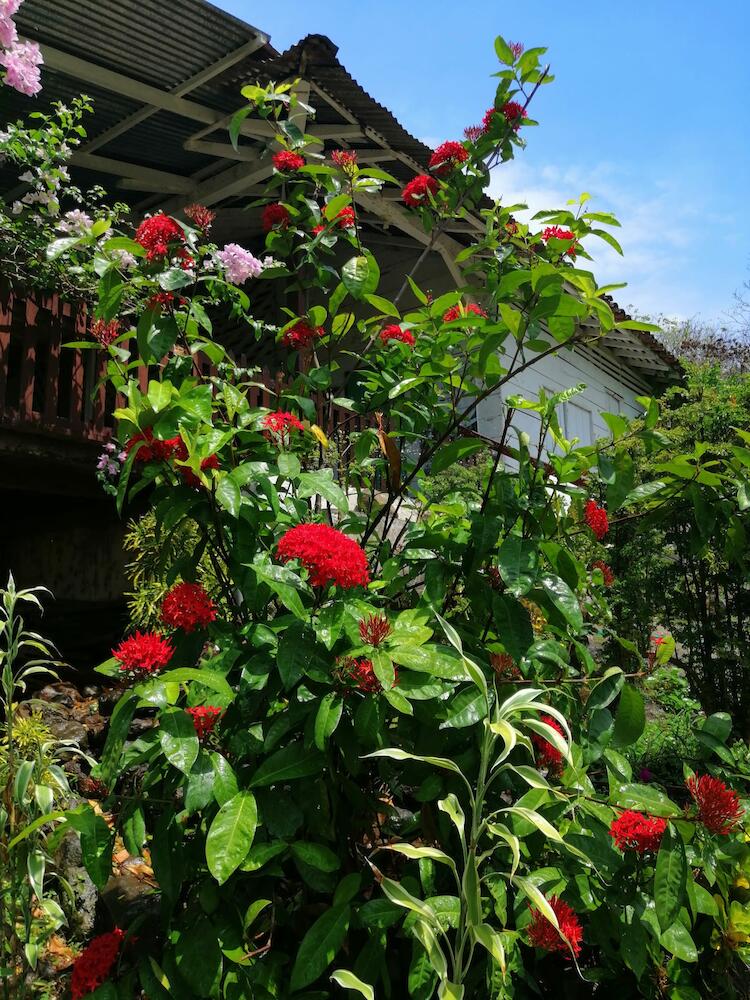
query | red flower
(374,629)
(596,518)
(394,332)
(547,754)
(144,653)
(200,216)
(558,233)
(301,335)
(345,159)
(635,832)
(460,311)
(157,233)
(105,332)
(274,216)
(346,219)
(328,555)
(418,190)
(94,965)
(719,807)
(543,934)
(609,576)
(279,426)
(318,229)
(447,157)
(512,112)
(516,48)
(473,132)
(287,162)
(505,667)
(165,299)
(511,227)
(204,719)
(187,606)
(190,478)
(154,450)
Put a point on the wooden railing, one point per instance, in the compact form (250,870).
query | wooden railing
(51,389)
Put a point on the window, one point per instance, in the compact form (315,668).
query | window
(579,423)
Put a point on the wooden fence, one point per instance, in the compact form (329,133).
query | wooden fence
(51,389)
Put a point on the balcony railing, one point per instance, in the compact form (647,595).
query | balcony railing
(53,390)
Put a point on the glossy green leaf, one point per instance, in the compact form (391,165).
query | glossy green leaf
(230,835)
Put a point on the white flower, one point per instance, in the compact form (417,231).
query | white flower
(17,207)
(75,222)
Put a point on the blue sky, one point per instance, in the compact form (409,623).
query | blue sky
(649,113)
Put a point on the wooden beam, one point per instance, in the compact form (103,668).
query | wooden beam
(223,150)
(106,165)
(195,81)
(108,79)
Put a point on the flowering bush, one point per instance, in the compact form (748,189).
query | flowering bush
(417,785)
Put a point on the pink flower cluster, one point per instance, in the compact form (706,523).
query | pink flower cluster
(239,263)
(20,59)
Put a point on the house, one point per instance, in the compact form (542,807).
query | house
(165,81)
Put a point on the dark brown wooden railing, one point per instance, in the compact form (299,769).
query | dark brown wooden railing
(50,389)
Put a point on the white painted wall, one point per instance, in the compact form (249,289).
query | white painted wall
(611,386)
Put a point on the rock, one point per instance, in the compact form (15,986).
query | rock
(90,691)
(61,693)
(68,729)
(127,896)
(81,914)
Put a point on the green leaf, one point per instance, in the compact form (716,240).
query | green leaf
(327,718)
(360,276)
(630,719)
(670,879)
(517,559)
(230,835)
(512,625)
(204,676)
(606,690)
(563,598)
(316,855)
(228,493)
(291,762)
(320,946)
(647,799)
(178,739)
(453,452)
(677,940)
(349,981)
(96,844)
(119,727)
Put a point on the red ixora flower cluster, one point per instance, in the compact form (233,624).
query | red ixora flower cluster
(165,299)
(201,216)
(143,654)
(558,233)
(287,162)
(274,216)
(633,831)
(301,334)
(105,331)
(512,112)
(606,571)
(189,477)
(505,667)
(279,426)
(447,157)
(328,555)
(719,807)
(345,219)
(374,629)
(204,719)
(417,192)
(94,965)
(359,674)
(596,518)
(345,159)
(543,934)
(158,234)
(187,606)
(547,754)
(152,450)
(395,332)
(460,311)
